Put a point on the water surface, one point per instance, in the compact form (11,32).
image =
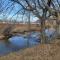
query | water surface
(18,42)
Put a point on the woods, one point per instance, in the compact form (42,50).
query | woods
(42,9)
(30,29)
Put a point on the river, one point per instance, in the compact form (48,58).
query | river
(18,42)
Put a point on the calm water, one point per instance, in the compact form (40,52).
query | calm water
(19,42)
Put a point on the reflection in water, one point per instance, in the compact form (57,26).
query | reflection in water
(17,43)
(6,48)
(20,42)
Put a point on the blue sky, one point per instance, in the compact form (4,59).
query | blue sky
(9,10)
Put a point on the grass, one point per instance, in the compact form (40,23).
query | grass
(40,52)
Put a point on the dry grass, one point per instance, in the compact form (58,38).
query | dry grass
(40,52)
(19,27)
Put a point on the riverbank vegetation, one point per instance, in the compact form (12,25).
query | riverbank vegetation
(40,52)
(47,24)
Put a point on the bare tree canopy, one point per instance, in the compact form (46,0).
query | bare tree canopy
(38,8)
(41,9)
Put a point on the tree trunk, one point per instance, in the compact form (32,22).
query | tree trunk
(58,24)
(43,38)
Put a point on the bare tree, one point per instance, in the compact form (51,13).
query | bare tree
(42,9)
(7,32)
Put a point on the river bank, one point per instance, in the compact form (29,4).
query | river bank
(39,52)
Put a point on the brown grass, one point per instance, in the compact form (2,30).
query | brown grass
(19,27)
(40,52)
